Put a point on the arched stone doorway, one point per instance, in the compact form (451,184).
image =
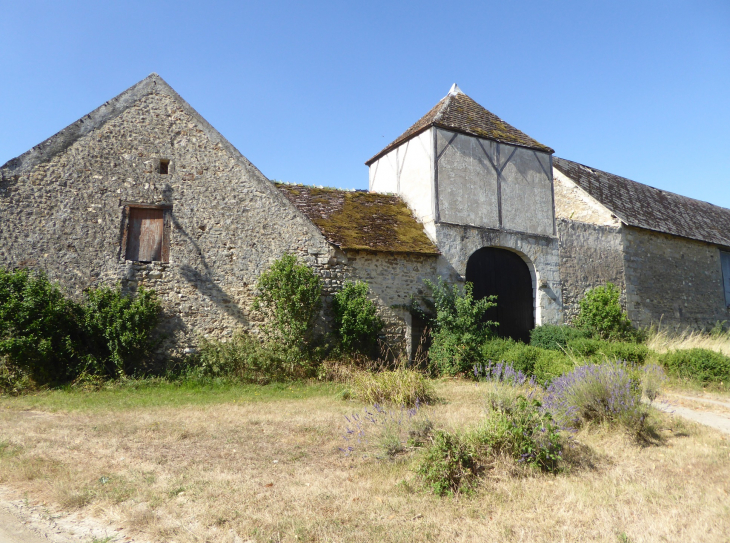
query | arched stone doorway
(503,273)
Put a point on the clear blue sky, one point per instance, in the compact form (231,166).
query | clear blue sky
(310,90)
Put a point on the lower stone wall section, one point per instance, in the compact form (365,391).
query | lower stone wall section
(673,281)
(590,256)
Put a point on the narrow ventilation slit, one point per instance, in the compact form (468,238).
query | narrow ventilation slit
(164,165)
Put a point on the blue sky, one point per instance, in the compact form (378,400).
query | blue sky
(309,91)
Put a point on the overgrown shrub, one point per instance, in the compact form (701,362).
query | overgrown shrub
(493,349)
(602,316)
(597,393)
(289,297)
(40,336)
(523,357)
(701,365)
(459,328)
(553,337)
(599,350)
(552,364)
(520,428)
(118,330)
(357,323)
(399,387)
(449,465)
(47,338)
(244,358)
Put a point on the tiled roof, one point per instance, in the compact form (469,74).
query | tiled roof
(459,113)
(646,207)
(361,220)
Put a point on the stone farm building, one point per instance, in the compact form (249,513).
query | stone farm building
(144,191)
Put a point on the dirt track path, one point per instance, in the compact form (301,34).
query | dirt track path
(707,411)
(22,522)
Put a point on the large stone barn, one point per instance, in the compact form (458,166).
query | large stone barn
(143,191)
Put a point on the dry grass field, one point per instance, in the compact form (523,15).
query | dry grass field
(264,464)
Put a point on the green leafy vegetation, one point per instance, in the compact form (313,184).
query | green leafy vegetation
(357,323)
(701,365)
(49,339)
(459,329)
(602,316)
(289,297)
(553,337)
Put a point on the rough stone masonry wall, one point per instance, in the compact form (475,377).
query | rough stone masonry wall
(673,281)
(393,279)
(590,255)
(229,224)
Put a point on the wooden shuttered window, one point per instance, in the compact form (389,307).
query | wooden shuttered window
(725,261)
(146,235)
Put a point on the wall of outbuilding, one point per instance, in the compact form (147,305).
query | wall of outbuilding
(590,255)
(228,223)
(673,281)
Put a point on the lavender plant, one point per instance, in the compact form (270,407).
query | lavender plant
(597,393)
(383,433)
(502,372)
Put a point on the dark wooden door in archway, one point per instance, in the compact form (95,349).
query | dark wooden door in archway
(503,273)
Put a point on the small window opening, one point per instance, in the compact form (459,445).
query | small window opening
(164,165)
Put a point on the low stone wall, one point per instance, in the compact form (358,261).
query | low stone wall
(673,281)
(590,256)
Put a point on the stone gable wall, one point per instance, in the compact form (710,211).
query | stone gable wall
(228,224)
(672,280)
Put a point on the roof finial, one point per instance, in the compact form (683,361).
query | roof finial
(455,90)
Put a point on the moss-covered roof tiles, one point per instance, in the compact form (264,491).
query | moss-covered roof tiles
(459,113)
(361,220)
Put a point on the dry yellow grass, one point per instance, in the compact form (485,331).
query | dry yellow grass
(272,471)
(662,341)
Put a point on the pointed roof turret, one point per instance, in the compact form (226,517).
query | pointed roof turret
(459,113)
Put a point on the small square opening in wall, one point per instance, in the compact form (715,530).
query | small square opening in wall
(164,165)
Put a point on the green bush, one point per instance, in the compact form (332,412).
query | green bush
(551,336)
(602,316)
(521,429)
(493,350)
(552,364)
(449,465)
(244,358)
(357,323)
(399,387)
(46,338)
(39,331)
(523,357)
(701,365)
(118,329)
(600,350)
(459,328)
(289,297)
